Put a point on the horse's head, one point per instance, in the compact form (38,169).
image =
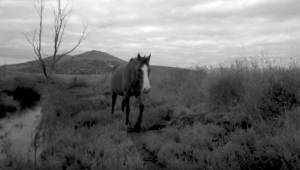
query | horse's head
(143,71)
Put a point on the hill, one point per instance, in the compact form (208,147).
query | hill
(91,62)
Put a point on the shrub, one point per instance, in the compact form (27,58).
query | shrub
(77,83)
(282,95)
(108,148)
(224,88)
(231,156)
(204,137)
(190,91)
(278,152)
(229,120)
(293,119)
(20,80)
(237,153)
(178,85)
(156,118)
(263,93)
(246,150)
(178,156)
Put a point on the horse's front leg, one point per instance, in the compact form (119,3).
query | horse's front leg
(127,109)
(114,98)
(138,123)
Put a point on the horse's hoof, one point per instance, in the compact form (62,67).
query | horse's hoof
(128,124)
(137,127)
(133,130)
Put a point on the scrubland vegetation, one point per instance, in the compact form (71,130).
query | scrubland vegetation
(238,117)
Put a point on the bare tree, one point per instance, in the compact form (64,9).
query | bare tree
(61,15)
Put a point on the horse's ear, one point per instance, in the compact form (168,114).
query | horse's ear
(148,58)
(138,56)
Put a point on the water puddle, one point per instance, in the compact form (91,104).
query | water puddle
(17,133)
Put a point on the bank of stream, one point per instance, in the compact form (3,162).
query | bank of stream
(20,117)
(17,133)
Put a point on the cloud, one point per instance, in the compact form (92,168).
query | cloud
(178,33)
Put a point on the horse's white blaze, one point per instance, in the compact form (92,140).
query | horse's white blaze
(146,82)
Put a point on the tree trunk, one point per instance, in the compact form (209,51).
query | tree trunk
(52,68)
(44,68)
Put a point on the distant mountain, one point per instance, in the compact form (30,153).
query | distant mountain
(97,55)
(91,62)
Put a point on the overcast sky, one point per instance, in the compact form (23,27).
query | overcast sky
(176,32)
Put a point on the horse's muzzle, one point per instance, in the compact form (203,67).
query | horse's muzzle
(146,90)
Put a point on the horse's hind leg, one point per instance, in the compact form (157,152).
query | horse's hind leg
(123,104)
(113,102)
(127,103)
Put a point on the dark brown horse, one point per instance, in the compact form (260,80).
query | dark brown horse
(131,80)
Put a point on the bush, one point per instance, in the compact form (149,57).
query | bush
(156,117)
(282,95)
(178,86)
(246,150)
(278,152)
(178,156)
(191,92)
(108,148)
(229,120)
(77,83)
(293,119)
(264,93)
(188,148)
(224,88)
(204,137)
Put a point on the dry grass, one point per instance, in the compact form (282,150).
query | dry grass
(239,117)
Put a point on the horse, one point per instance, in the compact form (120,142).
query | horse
(131,80)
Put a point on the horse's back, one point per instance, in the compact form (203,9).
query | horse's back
(117,80)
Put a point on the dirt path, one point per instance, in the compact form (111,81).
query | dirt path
(149,158)
(17,132)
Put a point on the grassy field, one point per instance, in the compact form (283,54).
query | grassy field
(238,117)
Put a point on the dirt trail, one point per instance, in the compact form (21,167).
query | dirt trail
(149,158)
(17,132)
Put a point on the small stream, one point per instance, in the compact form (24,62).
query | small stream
(17,133)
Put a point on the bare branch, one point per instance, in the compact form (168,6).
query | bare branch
(36,40)
(81,38)
(31,42)
(61,16)
(62,34)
